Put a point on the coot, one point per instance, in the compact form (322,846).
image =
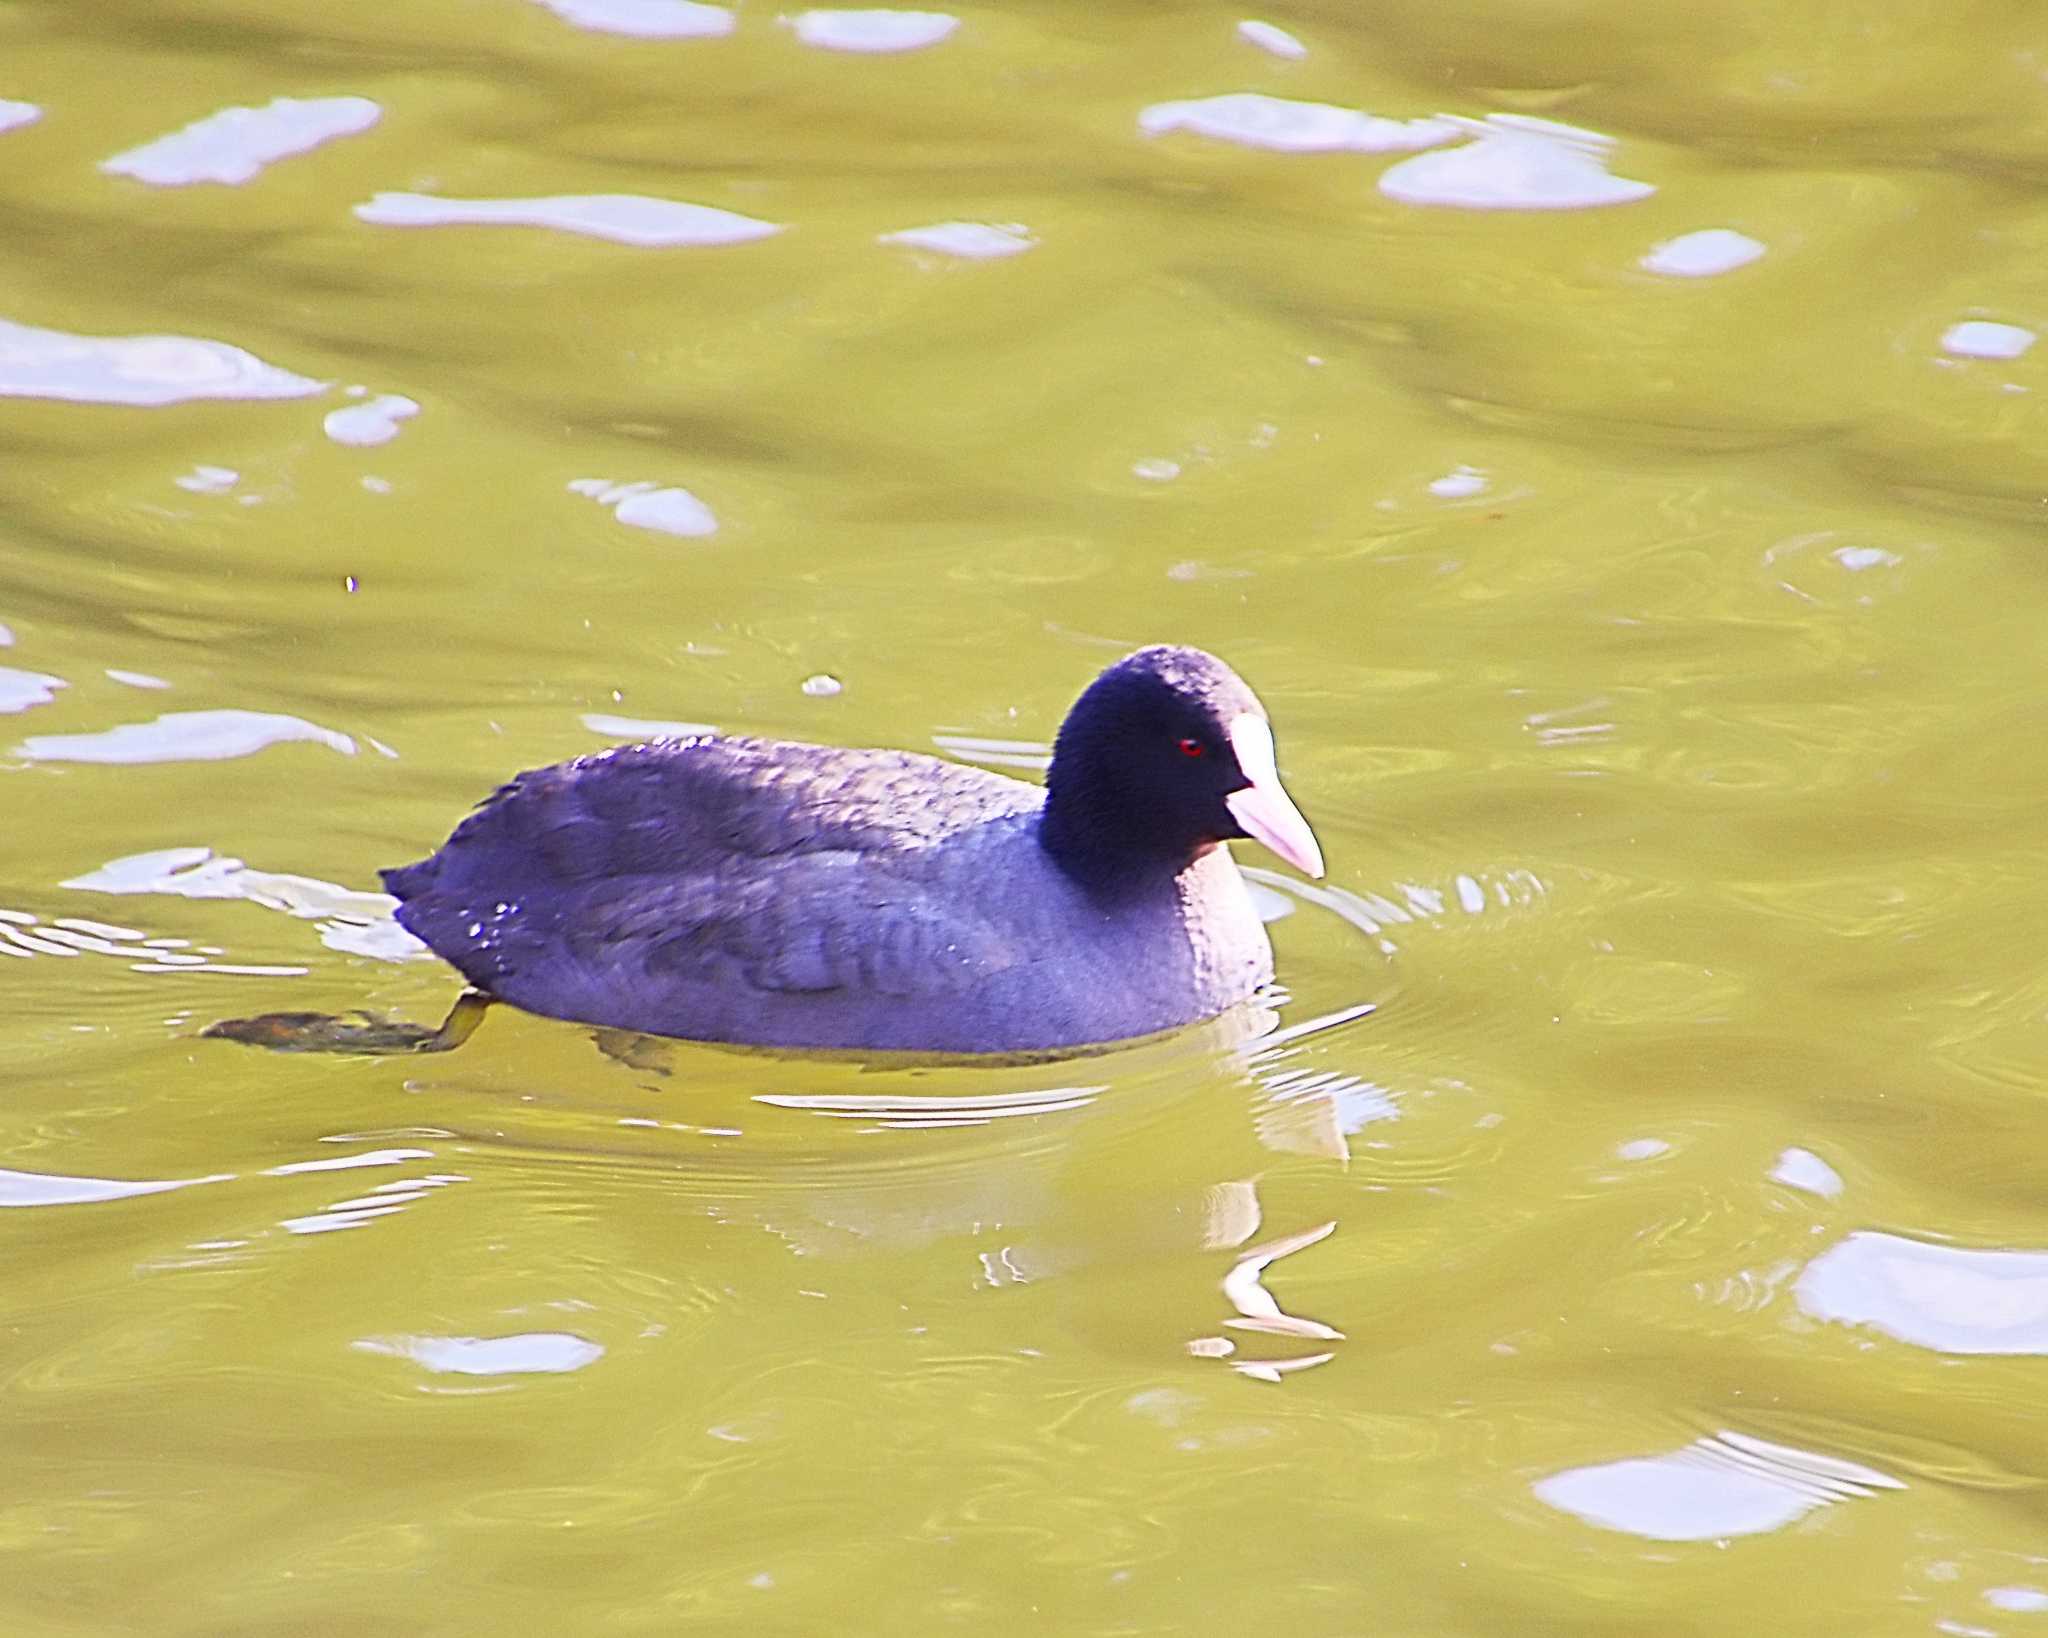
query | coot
(772,894)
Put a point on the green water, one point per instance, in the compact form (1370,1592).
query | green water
(1658,657)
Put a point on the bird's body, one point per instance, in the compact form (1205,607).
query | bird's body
(774,894)
(765,893)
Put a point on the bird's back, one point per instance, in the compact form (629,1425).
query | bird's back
(701,803)
(728,889)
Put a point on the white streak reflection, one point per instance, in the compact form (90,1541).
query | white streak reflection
(905,1113)
(1253,120)
(368,424)
(1235,1207)
(208,480)
(385,1200)
(25,936)
(236,144)
(1034,754)
(1318,1112)
(1374,912)
(1460,483)
(1270,37)
(1803,1169)
(1703,254)
(1726,1485)
(349,1163)
(185,736)
(1311,1026)
(1980,338)
(873,30)
(14,115)
(666,511)
(623,218)
(1515,162)
(356,922)
(1273,1370)
(1246,1289)
(1271,906)
(19,690)
(51,1189)
(646,19)
(525,1354)
(643,728)
(967,241)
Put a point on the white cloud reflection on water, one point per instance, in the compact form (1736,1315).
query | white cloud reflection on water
(19,690)
(237,144)
(184,736)
(523,1354)
(872,31)
(351,920)
(1982,338)
(1804,1170)
(372,422)
(1515,162)
(1952,1299)
(646,19)
(148,371)
(1702,254)
(1729,1484)
(644,505)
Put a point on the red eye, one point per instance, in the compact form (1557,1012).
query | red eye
(1191,747)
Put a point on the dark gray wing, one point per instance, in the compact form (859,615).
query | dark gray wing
(821,921)
(621,879)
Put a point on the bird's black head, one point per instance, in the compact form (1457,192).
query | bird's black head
(1166,754)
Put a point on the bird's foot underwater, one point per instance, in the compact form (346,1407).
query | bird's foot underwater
(353,1032)
(636,1050)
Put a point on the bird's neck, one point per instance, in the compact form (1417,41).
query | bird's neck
(1100,849)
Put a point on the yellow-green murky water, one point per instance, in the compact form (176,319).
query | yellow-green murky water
(1653,623)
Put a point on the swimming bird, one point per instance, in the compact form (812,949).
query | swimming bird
(764,893)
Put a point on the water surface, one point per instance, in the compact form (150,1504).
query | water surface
(1613,446)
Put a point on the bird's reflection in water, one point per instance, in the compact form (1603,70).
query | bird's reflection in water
(1130,1178)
